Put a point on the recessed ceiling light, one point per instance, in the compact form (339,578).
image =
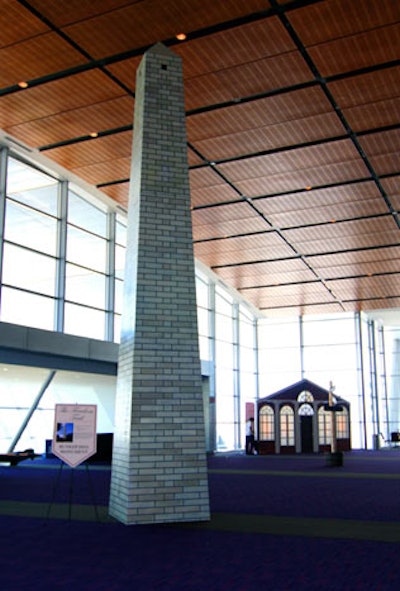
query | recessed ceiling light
(181,36)
(23,84)
(308,188)
(94,134)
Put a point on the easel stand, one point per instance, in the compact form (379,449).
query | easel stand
(56,488)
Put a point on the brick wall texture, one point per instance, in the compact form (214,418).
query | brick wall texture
(159,470)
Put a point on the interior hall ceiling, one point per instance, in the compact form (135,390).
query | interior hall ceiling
(293,125)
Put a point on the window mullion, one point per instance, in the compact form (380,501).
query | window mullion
(110,276)
(3,190)
(61,255)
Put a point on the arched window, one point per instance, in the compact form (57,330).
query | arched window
(324,426)
(267,423)
(342,424)
(306,410)
(305,396)
(287,425)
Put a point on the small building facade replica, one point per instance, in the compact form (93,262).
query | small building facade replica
(303,418)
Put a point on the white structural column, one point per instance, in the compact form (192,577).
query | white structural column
(159,467)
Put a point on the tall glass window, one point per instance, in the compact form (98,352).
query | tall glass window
(287,425)
(226,387)
(342,424)
(279,354)
(247,367)
(120,249)
(86,268)
(61,266)
(362,410)
(392,355)
(30,247)
(267,423)
(330,352)
(324,426)
(203,316)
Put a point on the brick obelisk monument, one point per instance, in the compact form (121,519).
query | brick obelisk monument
(159,469)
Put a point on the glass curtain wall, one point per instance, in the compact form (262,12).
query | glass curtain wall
(62,264)
(380,381)
(391,392)
(204,317)
(279,354)
(361,359)
(119,264)
(228,343)
(247,369)
(226,387)
(330,355)
(62,255)
(364,408)
(322,349)
(30,236)
(86,269)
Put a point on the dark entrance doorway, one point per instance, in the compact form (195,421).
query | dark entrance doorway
(306,434)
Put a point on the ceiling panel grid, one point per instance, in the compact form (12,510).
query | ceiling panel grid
(293,128)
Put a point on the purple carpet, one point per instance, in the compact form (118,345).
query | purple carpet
(332,529)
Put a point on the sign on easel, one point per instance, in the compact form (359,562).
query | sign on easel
(74,436)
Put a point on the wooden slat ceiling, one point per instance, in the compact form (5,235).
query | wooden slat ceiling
(293,122)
